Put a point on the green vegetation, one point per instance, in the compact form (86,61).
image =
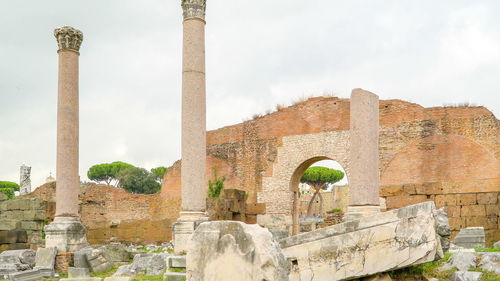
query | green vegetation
(107,172)
(487,250)
(138,180)
(106,273)
(215,185)
(319,178)
(149,278)
(9,184)
(335,211)
(9,192)
(487,275)
(427,269)
(159,173)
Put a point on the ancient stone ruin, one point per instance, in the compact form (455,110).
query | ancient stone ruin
(435,169)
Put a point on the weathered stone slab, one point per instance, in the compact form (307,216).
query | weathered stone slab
(471,237)
(26,256)
(76,272)
(80,257)
(460,261)
(380,243)
(117,252)
(490,262)
(174,276)
(99,261)
(46,257)
(466,276)
(82,279)
(230,250)
(28,275)
(176,262)
(118,279)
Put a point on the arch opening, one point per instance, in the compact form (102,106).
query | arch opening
(313,201)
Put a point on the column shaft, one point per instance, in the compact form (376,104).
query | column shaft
(364,177)
(194,184)
(68,182)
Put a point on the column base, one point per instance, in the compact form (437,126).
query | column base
(184,228)
(67,234)
(357,212)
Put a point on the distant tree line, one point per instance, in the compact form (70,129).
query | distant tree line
(127,176)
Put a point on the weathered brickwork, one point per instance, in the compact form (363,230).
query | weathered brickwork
(428,151)
(108,212)
(447,154)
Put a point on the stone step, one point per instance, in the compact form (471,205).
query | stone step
(174,276)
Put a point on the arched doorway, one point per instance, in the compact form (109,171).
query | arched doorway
(310,205)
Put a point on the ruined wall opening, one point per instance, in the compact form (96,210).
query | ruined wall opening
(311,205)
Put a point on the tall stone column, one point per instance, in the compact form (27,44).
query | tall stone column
(193,182)
(66,232)
(364,177)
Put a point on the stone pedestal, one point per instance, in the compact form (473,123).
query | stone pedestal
(184,228)
(67,234)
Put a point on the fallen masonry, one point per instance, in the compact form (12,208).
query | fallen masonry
(470,237)
(404,237)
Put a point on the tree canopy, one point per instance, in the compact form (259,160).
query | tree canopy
(319,178)
(138,180)
(107,172)
(8,184)
(159,173)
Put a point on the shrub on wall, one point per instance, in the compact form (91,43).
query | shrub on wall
(215,186)
(8,191)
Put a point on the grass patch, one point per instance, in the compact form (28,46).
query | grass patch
(429,269)
(487,275)
(149,278)
(106,273)
(483,250)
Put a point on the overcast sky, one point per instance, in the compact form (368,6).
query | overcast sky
(259,53)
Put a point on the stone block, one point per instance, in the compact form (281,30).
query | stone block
(473,211)
(98,260)
(80,257)
(27,275)
(32,215)
(3,197)
(471,237)
(32,225)
(234,194)
(230,250)
(391,190)
(466,276)
(255,208)
(174,276)
(404,237)
(76,272)
(82,279)
(26,256)
(46,257)
(453,211)
(13,236)
(429,188)
(455,223)
(394,202)
(15,246)
(8,224)
(113,278)
(466,199)
(486,222)
(445,200)
(117,252)
(176,262)
(493,210)
(489,198)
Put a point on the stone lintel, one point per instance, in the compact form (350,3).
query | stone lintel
(194,9)
(68,38)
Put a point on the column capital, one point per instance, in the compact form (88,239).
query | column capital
(68,38)
(194,8)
